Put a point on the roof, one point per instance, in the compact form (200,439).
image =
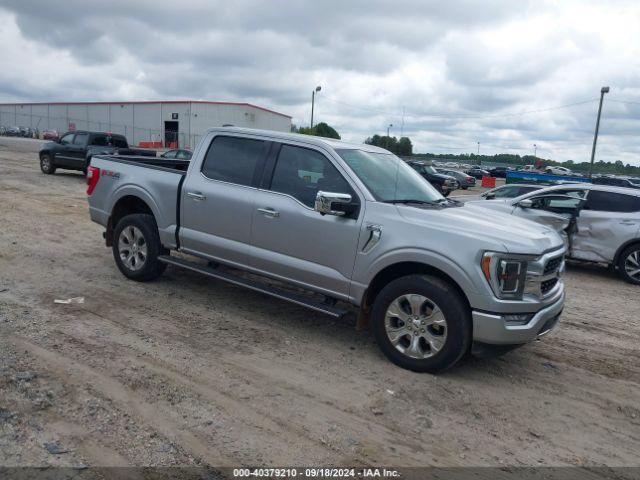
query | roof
(147,102)
(591,186)
(298,137)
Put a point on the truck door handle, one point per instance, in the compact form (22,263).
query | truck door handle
(196,196)
(269,212)
(628,222)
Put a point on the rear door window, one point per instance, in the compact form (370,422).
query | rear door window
(99,140)
(234,159)
(119,141)
(612,202)
(81,139)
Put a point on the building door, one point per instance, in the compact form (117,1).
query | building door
(171,134)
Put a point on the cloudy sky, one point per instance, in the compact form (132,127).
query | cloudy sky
(505,73)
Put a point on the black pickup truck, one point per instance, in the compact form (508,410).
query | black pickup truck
(73,150)
(445,184)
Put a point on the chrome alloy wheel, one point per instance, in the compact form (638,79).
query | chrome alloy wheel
(132,248)
(416,326)
(45,163)
(632,265)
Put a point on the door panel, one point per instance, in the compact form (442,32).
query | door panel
(608,220)
(218,198)
(298,244)
(292,241)
(216,219)
(63,151)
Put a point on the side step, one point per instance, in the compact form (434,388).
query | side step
(323,307)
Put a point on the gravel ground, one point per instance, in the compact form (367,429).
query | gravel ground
(190,371)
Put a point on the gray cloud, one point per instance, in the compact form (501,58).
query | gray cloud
(460,69)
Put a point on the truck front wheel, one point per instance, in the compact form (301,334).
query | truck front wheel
(46,164)
(136,247)
(421,323)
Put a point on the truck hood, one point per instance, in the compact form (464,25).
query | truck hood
(516,235)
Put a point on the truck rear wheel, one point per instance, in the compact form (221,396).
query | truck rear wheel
(421,323)
(136,247)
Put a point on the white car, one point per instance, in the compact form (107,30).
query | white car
(558,171)
(599,223)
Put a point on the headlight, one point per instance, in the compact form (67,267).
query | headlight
(506,274)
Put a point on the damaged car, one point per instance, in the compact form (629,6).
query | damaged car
(599,223)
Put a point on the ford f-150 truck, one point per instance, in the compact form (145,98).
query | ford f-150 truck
(333,224)
(73,151)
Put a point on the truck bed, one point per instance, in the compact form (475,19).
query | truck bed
(148,161)
(155,181)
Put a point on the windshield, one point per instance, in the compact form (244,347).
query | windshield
(388,178)
(635,181)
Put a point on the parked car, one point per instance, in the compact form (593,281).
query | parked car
(499,172)
(477,173)
(600,223)
(50,135)
(617,182)
(451,165)
(179,153)
(74,150)
(13,132)
(445,184)
(557,171)
(464,181)
(511,190)
(432,278)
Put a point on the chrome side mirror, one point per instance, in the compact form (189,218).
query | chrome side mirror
(526,203)
(331,203)
(489,195)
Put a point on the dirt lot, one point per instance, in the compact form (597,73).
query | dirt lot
(188,370)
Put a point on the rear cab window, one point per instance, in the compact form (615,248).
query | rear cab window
(234,159)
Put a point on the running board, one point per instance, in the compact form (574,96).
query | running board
(256,286)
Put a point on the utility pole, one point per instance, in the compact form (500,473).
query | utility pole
(388,127)
(313,101)
(603,90)
(535,151)
(402,124)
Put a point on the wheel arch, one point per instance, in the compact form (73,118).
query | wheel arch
(397,270)
(125,205)
(623,247)
(402,269)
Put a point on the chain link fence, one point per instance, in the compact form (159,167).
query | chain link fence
(30,125)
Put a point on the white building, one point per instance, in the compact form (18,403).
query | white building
(164,123)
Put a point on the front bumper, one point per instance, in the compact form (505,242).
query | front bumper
(491,328)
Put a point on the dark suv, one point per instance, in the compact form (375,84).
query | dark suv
(73,150)
(445,184)
(617,182)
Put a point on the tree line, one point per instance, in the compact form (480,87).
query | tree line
(403,147)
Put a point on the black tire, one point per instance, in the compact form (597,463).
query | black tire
(46,164)
(446,194)
(150,267)
(625,260)
(453,307)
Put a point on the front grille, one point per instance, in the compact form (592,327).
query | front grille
(547,285)
(552,265)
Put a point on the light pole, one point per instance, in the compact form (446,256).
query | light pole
(313,101)
(603,90)
(388,127)
(535,151)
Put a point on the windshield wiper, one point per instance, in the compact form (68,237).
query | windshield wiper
(411,200)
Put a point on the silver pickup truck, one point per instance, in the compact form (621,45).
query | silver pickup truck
(325,224)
